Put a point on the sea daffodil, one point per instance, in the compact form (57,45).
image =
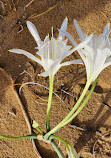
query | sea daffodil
(51,51)
(97,53)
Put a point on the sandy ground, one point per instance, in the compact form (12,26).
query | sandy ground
(94,120)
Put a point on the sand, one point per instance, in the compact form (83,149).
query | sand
(86,132)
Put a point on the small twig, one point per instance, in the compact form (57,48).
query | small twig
(27,73)
(67,93)
(20,29)
(3,12)
(12,113)
(101,136)
(26,83)
(29,3)
(40,103)
(2,5)
(13,6)
(53,102)
(2,16)
(35,15)
(79,128)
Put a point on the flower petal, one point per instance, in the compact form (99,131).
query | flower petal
(76,61)
(87,61)
(52,70)
(78,47)
(84,43)
(44,74)
(29,55)
(82,35)
(106,31)
(70,37)
(34,32)
(63,28)
(100,64)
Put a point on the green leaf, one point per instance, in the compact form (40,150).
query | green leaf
(71,151)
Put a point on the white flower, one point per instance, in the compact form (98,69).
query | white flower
(97,53)
(51,51)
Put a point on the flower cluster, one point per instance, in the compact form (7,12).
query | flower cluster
(95,51)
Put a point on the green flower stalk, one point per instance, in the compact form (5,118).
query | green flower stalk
(83,104)
(69,148)
(71,114)
(51,80)
(61,124)
(57,149)
(71,151)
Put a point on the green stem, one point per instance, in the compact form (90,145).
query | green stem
(51,80)
(39,130)
(83,104)
(57,149)
(72,152)
(55,129)
(19,138)
(58,138)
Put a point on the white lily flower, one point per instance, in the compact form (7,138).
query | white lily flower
(51,51)
(97,53)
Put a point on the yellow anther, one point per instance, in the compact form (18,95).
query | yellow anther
(48,43)
(56,43)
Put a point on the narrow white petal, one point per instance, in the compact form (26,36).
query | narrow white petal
(84,43)
(33,31)
(87,61)
(101,69)
(56,68)
(106,31)
(76,61)
(44,74)
(78,47)
(70,37)
(82,35)
(89,52)
(52,70)
(82,54)
(63,28)
(29,55)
